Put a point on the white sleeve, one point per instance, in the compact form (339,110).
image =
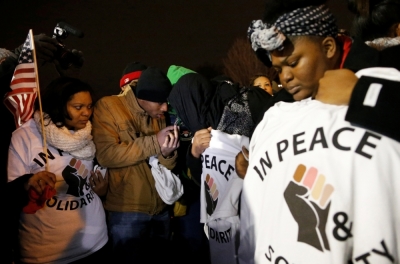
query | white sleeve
(391,74)
(18,156)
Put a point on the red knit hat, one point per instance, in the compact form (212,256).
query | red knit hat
(131,72)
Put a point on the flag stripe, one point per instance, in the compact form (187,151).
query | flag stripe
(20,100)
(29,65)
(21,105)
(24,74)
(23,79)
(24,82)
(26,68)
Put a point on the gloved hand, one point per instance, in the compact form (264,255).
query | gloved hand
(73,69)
(46,51)
(45,48)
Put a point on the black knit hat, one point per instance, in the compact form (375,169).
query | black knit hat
(153,85)
(131,72)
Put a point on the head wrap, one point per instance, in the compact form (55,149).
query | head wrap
(307,21)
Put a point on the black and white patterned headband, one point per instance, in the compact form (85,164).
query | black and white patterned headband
(307,21)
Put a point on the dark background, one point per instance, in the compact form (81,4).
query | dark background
(194,34)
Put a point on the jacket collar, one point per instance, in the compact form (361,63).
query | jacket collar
(132,103)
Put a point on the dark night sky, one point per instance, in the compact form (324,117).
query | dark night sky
(158,33)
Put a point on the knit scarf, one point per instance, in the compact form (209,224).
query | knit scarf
(77,143)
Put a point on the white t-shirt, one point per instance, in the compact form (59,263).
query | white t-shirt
(220,185)
(220,193)
(319,190)
(71,225)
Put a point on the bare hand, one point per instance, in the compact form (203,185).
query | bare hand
(201,141)
(39,180)
(241,162)
(336,86)
(168,138)
(99,183)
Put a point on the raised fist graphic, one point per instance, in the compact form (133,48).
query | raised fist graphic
(71,175)
(211,193)
(308,199)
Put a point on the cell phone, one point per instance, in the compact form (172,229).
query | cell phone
(178,122)
(103,170)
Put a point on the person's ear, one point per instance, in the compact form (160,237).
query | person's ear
(397,32)
(330,47)
(394,31)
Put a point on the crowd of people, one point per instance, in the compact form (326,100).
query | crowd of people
(305,174)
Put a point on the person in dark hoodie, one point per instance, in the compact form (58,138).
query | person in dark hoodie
(188,232)
(223,116)
(200,104)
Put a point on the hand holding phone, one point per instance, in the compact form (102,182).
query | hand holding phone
(101,169)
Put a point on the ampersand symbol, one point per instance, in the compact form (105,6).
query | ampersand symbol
(340,219)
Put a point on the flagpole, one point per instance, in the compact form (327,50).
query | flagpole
(39,98)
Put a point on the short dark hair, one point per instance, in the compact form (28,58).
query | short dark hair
(382,16)
(56,96)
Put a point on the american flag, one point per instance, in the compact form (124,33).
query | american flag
(20,100)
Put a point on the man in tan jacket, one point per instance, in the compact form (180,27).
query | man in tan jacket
(127,130)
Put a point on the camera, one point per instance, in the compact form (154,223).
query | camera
(63,55)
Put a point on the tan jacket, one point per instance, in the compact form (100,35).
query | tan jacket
(125,137)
